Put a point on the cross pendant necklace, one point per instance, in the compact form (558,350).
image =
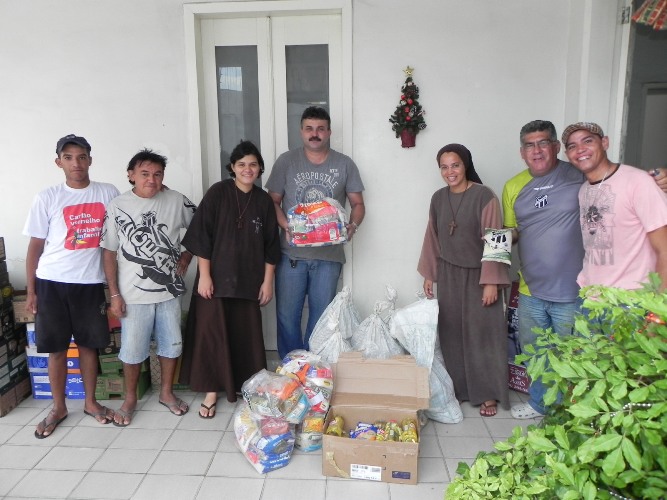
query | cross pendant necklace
(239,219)
(453,225)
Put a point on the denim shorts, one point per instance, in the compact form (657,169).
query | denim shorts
(160,321)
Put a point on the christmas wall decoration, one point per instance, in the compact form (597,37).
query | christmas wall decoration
(408,119)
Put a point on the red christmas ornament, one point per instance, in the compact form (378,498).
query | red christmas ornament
(409,101)
(406,109)
(407,118)
(402,96)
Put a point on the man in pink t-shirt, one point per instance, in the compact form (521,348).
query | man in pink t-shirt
(623,214)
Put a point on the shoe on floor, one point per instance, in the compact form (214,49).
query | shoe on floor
(178,407)
(210,410)
(48,427)
(524,411)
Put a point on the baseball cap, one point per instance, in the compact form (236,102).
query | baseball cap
(593,128)
(72,139)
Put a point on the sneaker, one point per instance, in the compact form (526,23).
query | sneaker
(524,411)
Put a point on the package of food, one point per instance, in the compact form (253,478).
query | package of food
(317,224)
(309,432)
(314,374)
(265,452)
(272,395)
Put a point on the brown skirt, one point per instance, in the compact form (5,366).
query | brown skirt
(223,345)
(473,337)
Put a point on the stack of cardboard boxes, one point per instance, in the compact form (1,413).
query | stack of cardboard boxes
(14,380)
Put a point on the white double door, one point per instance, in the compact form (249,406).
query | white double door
(258,74)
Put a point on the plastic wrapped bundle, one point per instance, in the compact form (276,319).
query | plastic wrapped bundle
(317,224)
(266,442)
(273,395)
(415,327)
(372,338)
(337,324)
(314,375)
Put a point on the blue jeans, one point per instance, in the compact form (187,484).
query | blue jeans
(538,313)
(295,279)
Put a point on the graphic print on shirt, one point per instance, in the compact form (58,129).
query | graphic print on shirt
(147,244)
(315,186)
(541,201)
(84,225)
(597,221)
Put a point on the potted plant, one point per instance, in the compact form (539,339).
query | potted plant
(605,436)
(408,119)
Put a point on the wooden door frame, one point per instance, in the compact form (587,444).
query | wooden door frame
(192,16)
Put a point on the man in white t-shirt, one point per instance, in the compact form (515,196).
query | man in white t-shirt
(144,267)
(64,277)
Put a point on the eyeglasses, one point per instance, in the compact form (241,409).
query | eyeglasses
(543,144)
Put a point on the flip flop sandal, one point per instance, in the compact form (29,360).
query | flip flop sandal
(208,410)
(126,415)
(103,413)
(176,406)
(485,407)
(53,425)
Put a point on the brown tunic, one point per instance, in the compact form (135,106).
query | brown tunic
(473,337)
(224,344)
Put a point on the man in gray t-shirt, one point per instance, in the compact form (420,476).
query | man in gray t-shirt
(541,205)
(306,175)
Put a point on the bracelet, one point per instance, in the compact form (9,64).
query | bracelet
(356,226)
(114,295)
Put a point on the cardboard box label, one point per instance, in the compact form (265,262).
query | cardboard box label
(370,472)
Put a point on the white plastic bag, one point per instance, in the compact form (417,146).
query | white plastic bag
(337,323)
(416,328)
(372,338)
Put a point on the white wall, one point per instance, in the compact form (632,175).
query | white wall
(115,72)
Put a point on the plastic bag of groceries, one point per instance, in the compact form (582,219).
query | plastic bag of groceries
(271,395)
(372,338)
(317,224)
(337,324)
(416,328)
(267,442)
(313,373)
(316,377)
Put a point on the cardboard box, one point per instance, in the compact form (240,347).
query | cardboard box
(38,362)
(41,386)
(518,378)
(112,386)
(368,390)
(21,313)
(114,343)
(30,334)
(110,364)
(6,320)
(7,399)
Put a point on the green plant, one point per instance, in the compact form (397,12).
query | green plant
(606,434)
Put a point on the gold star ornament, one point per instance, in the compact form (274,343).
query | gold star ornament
(408,71)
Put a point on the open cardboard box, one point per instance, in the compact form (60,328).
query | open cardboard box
(368,390)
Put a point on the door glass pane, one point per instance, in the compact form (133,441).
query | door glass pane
(307,69)
(238,99)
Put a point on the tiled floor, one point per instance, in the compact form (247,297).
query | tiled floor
(164,456)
